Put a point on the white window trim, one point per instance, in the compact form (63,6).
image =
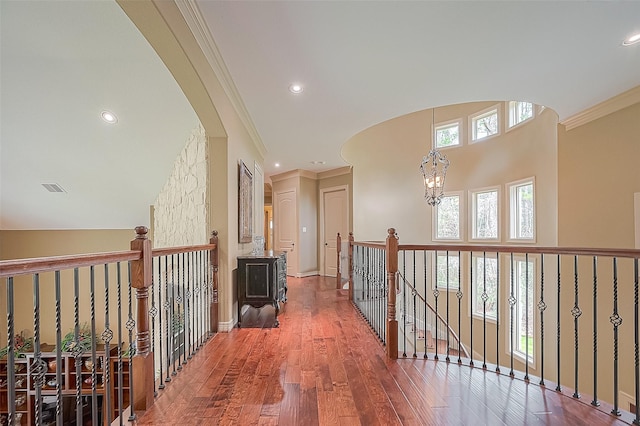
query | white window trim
(478,315)
(507,120)
(434,277)
(473,118)
(507,313)
(457,121)
(472,213)
(434,217)
(509,187)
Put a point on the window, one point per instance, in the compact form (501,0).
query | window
(485,214)
(447,218)
(484,296)
(523,312)
(519,112)
(485,124)
(522,210)
(454,271)
(447,134)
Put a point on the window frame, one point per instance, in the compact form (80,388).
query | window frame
(512,210)
(480,115)
(533,324)
(473,287)
(473,214)
(461,221)
(444,124)
(510,107)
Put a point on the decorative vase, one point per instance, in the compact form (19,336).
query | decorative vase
(52,364)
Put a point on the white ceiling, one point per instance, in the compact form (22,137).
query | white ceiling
(360,62)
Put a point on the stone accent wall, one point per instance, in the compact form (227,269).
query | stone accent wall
(180,211)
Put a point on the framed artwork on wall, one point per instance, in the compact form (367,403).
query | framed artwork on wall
(245,204)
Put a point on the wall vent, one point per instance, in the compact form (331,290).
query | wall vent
(53,187)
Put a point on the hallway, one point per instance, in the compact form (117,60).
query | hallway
(323,366)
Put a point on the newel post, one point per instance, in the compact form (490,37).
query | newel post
(392,272)
(214,259)
(338,265)
(141,280)
(350,251)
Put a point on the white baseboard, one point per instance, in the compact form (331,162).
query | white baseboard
(307,274)
(226,326)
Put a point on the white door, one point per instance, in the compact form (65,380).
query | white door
(335,216)
(285,223)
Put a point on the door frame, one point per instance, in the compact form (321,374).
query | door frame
(321,239)
(276,194)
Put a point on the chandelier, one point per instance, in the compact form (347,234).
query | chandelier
(434,170)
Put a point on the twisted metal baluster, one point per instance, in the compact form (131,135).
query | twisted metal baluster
(636,357)
(447,300)
(415,298)
(38,366)
(160,308)
(436,293)
(595,401)
(59,414)
(576,312)
(616,321)
(526,318)
(424,263)
(77,349)
(11,378)
(404,303)
(153,311)
(120,343)
(187,309)
(94,379)
(474,292)
(541,307)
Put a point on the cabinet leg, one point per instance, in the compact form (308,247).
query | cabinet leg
(276,305)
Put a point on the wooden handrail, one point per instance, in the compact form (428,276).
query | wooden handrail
(574,251)
(370,244)
(166,251)
(15,267)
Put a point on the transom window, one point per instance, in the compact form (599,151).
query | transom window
(447,222)
(485,214)
(485,124)
(522,210)
(519,112)
(447,134)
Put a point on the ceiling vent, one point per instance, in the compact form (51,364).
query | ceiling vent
(53,187)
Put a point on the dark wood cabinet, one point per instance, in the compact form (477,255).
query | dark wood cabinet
(262,280)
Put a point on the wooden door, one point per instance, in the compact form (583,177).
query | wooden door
(335,216)
(285,223)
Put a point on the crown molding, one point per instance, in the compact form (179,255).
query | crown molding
(335,172)
(607,107)
(198,26)
(293,174)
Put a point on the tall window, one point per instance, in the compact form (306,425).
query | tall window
(522,210)
(524,319)
(447,218)
(485,214)
(485,124)
(447,134)
(485,286)
(519,112)
(453,262)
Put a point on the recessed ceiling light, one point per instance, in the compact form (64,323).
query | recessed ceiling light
(109,117)
(277,164)
(296,88)
(632,40)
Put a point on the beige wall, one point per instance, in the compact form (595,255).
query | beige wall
(308,226)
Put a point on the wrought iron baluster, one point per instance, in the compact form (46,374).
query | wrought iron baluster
(11,378)
(541,307)
(595,401)
(512,303)
(616,321)
(404,303)
(38,366)
(473,292)
(558,386)
(188,308)
(120,343)
(130,324)
(498,312)
(636,356)
(459,295)
(484,297)
(170,306)
(415,295)
(160,308)
(436,293)
(59,413)
(424,318)
(153,311)
(447,300)
(94,378)
(576,312)
(184,317)
(77,349)
(526,317)
(107,335)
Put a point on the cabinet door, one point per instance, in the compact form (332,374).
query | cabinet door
(258,279)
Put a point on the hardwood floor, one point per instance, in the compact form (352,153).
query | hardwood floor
(323,366)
